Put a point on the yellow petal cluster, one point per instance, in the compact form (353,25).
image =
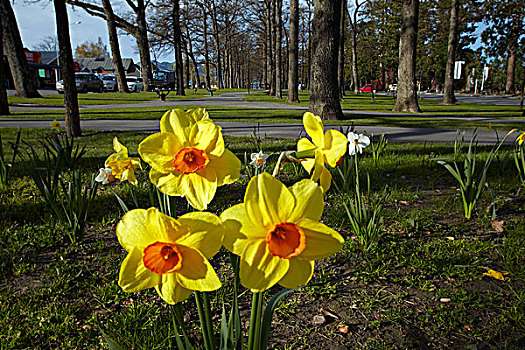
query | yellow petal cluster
(169,254)
(329,148)
(277,233)
(520,139)
(122,166)
(188,157)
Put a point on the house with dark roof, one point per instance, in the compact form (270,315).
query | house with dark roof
(103,65)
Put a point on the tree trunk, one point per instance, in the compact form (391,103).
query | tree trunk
(448,94)
(115,47)
(511,69)
(217,41)
(522,95)
(407,88)
(68,71)
(206,53)
(324,92)
(341,52)
(4,104)
(355,71)
(269,44)
(24,80)
(197,82)
(143,44)
(179,72)
(278,48)
(293,54)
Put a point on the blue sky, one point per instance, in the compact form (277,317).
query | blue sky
(37,20)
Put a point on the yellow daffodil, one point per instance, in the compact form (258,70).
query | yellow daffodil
(55,125)
(122,167)
(520,139)
(169,254)
(188,157)
(329,148)
(495,274)
(277,233)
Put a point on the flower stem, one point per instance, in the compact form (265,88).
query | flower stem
(207,316)
(254,336)
(204,324)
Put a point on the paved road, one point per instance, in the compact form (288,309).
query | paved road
(394,134)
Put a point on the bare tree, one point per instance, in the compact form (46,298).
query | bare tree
(341,51)
(293,54)
(177,36)
(24,80)
(278,47)
(407,88)
(68,71)
(324,91)
(136,26)
(353,26)
(4,104)
(115,47)
(448,93)
(47,43)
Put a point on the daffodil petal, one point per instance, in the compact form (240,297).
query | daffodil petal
(159,150)
(170,290)
(196,272)
(335,144)
(314,128)
(177,122)
(207,136)
(259,270)
(325,180)
(267,201)
(303,145)
(134,276)
(199,188)
(321,240)
(308,201)
(205,232)
(239,229)
(167,183)
(299,273)
(140,228)
(118,147)
(227,167)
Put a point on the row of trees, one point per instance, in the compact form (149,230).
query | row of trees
(321,45)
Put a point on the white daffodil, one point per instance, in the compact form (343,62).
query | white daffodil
(258,159)
(356,143)
(105,176)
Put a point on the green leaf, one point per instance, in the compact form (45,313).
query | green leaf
(268,314)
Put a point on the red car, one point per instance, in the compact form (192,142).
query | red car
(368,88)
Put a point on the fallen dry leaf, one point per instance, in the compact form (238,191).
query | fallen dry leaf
(495,274)
(497,225)
(329,313)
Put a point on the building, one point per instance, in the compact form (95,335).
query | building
(104,65)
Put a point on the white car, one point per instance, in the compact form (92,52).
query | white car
(110,83)
(135,84)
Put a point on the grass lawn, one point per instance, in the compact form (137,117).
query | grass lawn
(386,104)
(263,115)
(112,98)
(422,285)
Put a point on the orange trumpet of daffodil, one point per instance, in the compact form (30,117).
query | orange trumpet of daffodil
(188,157)
(122,167)
(169,254)
(329,148)
(277,233)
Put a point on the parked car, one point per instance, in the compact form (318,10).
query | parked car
(85,82)
(110,82)
(135,84)
(368,88)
